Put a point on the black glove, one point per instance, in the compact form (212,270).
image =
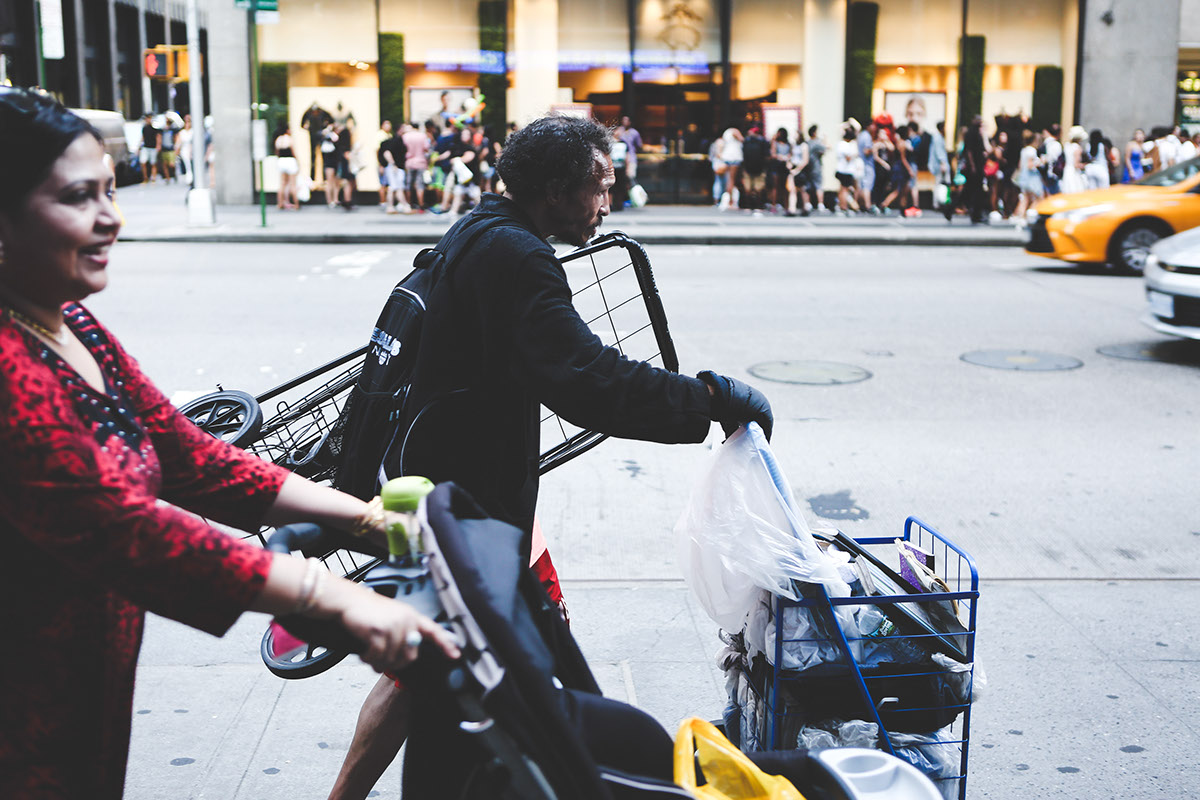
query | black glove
(734,403)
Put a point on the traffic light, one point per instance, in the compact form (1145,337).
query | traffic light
(159,62)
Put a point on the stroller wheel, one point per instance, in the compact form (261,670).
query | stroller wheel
(288,657)
(231,416)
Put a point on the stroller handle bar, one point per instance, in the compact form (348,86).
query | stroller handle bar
(308,537)
(405,576)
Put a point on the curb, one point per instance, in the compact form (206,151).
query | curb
(645,238)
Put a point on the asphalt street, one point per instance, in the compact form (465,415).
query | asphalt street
(1070,486)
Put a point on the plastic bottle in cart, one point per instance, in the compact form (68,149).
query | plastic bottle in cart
(872,623)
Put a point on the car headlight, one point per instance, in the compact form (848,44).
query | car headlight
(1077,215)
(1151,262)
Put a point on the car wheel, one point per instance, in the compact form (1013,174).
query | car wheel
(1131,244)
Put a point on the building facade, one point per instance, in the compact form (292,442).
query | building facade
(89,52)
(683,70)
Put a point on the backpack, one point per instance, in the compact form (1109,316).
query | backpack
(1059,165)
(754,154)
(370,420)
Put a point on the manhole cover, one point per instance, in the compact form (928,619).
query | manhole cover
(1175,351)
(815,373)
(1021,360)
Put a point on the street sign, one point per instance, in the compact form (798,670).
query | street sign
(159,63)
(258,139)
(260,5)
(51,20)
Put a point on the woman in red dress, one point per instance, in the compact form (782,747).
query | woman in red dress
(96,468)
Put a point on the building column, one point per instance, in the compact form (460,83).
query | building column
(228,69)
(85,99)
(1142,34)
(114,60)
(823,73)
(535,49)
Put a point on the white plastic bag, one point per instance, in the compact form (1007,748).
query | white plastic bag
(637,196)
(742,532)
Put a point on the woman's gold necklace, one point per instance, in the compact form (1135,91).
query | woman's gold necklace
(59,337)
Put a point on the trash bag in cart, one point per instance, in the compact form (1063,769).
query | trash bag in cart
(820,630)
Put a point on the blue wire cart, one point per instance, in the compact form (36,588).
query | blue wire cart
(891,676)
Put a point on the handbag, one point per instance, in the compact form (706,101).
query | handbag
(637,195)
(728,773)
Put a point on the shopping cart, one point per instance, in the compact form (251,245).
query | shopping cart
(921,704)
(297,424)
(613,290)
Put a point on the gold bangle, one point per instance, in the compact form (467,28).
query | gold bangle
(372,518)
(309,587)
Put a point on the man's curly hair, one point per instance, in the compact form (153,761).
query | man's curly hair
(552,153)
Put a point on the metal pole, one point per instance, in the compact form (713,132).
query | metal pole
(84,97)
(37,41)
(114,59)
(147,96)
(254,89)
(200,203)
(168,42)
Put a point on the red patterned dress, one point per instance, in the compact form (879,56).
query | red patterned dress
(91,531)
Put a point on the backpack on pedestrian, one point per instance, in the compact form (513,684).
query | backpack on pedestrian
(755,151)
(370,420)
(1059,166)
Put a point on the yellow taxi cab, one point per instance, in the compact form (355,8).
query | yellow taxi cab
(1120,224)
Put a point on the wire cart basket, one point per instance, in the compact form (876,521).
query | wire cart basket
(295,424)
(921,702)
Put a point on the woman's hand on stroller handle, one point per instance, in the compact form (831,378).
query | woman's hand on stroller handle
(391,631)
(386,633)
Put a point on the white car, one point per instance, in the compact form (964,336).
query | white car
(1172,276)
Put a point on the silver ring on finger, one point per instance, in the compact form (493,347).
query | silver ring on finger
(413,639)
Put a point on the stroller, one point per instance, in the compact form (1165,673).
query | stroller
(520,714)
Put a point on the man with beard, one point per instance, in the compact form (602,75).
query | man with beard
(500,338)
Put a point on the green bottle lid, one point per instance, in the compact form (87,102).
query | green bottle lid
(402,494)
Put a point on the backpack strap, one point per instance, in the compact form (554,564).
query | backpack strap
(457,246)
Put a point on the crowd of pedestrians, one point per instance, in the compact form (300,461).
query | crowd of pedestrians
(164,150)
(439,165)
(444,164)
(882,167)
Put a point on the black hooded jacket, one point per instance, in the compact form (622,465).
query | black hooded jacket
(499,339)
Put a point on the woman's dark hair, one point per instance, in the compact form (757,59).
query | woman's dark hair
(781,135)
(35,129)
(552,153)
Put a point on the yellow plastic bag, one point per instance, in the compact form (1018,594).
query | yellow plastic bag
(730,775)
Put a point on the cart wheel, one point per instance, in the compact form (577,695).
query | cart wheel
(290,658)
(231,416)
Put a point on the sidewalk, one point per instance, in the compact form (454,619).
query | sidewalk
(1078,703)
(157,213)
